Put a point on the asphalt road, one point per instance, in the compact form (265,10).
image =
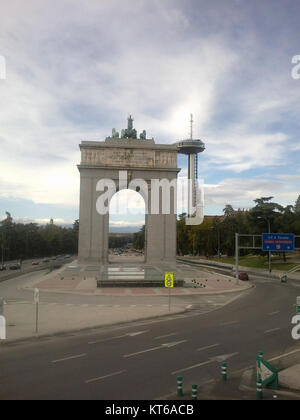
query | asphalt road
(141,360)
(28,267)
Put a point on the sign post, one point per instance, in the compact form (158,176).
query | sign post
(36,301)
(169,283)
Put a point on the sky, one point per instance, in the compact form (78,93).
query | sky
(74,70)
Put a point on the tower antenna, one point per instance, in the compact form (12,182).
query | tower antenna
(192,121)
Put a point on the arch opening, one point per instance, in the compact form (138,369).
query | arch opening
(127,227)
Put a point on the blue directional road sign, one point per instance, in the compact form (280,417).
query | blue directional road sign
(280,242)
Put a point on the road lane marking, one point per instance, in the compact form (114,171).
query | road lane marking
(207,347)
(284,354)
(223,357)
(162,346)
(193,367)
(105,376)
(133,334)
(272,330)
(219,358)
(229,323)
(163,336)
(274,313)
(69,358)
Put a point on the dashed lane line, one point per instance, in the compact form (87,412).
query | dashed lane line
(193,366)
(69,358)
(164,336)
(208,347)
(224,324)
(162,346)
(272,330)
(88,381)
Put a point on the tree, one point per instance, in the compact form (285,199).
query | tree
(297,206)
(228,210)
(264,212)
(139,238)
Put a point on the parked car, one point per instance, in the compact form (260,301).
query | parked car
(35,263)
(16,266)
(2,267)
(243,276)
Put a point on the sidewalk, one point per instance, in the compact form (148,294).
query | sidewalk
(57,318)
(240,385)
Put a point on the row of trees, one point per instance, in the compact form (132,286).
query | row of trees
(21,241)
(139,239)
(217,234)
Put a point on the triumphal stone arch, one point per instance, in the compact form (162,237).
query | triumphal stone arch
(139,160)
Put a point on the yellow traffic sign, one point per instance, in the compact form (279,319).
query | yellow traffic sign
(169,280)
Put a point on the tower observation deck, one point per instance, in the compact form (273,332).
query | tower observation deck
(191,147)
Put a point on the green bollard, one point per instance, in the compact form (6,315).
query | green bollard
(224,371)
(194,392)
(259,392)
(179,386)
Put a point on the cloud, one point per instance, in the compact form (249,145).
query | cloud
(241,152)
(75,70)
(242,192)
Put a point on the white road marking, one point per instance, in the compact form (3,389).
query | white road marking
(69,358)
(274,313)
(220,358)
(272,330)
(105,376)
(166,345)
(163,336)
(133,334)
(229,323)
(223,357)
(189,306)
(192,367)
(283,355)
(207,347)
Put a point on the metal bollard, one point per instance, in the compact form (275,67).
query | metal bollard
(259,392)
(179,386)
(224,371)
(194,392)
